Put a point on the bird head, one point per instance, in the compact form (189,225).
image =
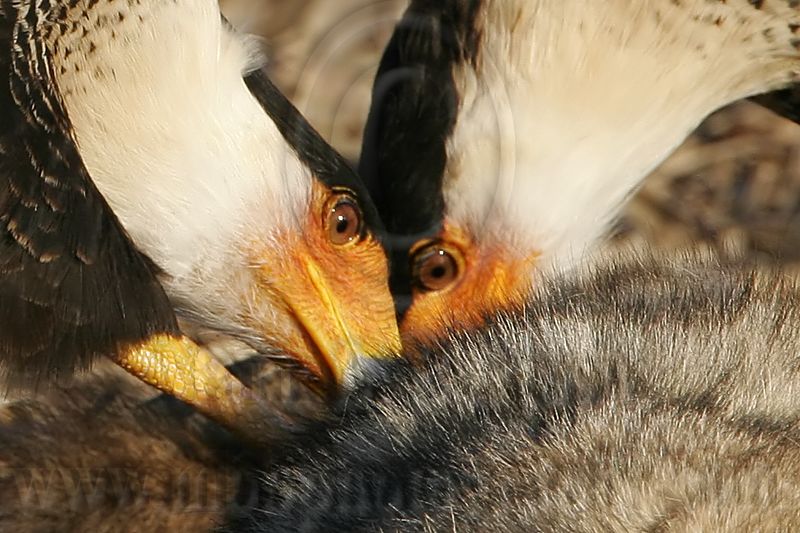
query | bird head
(504,137)
(456,253)
(259,229)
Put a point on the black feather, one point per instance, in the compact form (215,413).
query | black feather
(785,103)
(325,163)
(414,108)
(72,285)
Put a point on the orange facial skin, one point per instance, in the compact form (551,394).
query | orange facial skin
(490,277)
(333,308)
(321,296)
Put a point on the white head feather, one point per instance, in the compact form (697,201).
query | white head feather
(176,143)
(570,104)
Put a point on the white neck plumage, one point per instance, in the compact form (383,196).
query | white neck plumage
(175,142)
(572,103)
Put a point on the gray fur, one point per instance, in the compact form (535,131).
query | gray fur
(642,393)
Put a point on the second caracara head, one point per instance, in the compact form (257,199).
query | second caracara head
(505,135)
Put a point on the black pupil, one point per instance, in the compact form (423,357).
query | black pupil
(435,269)
(439,271)
(342,223)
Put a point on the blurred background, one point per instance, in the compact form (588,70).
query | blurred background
(733,187)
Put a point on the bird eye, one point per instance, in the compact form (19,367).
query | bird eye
(435,268)
(344,220)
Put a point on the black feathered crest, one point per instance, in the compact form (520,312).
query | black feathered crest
(413,113)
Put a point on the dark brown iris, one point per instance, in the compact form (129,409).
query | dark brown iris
(344,220)
(435,268)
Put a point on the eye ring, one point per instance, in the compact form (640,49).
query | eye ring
(436,267)
(343,219)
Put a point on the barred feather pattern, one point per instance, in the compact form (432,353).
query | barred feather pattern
(69,275)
